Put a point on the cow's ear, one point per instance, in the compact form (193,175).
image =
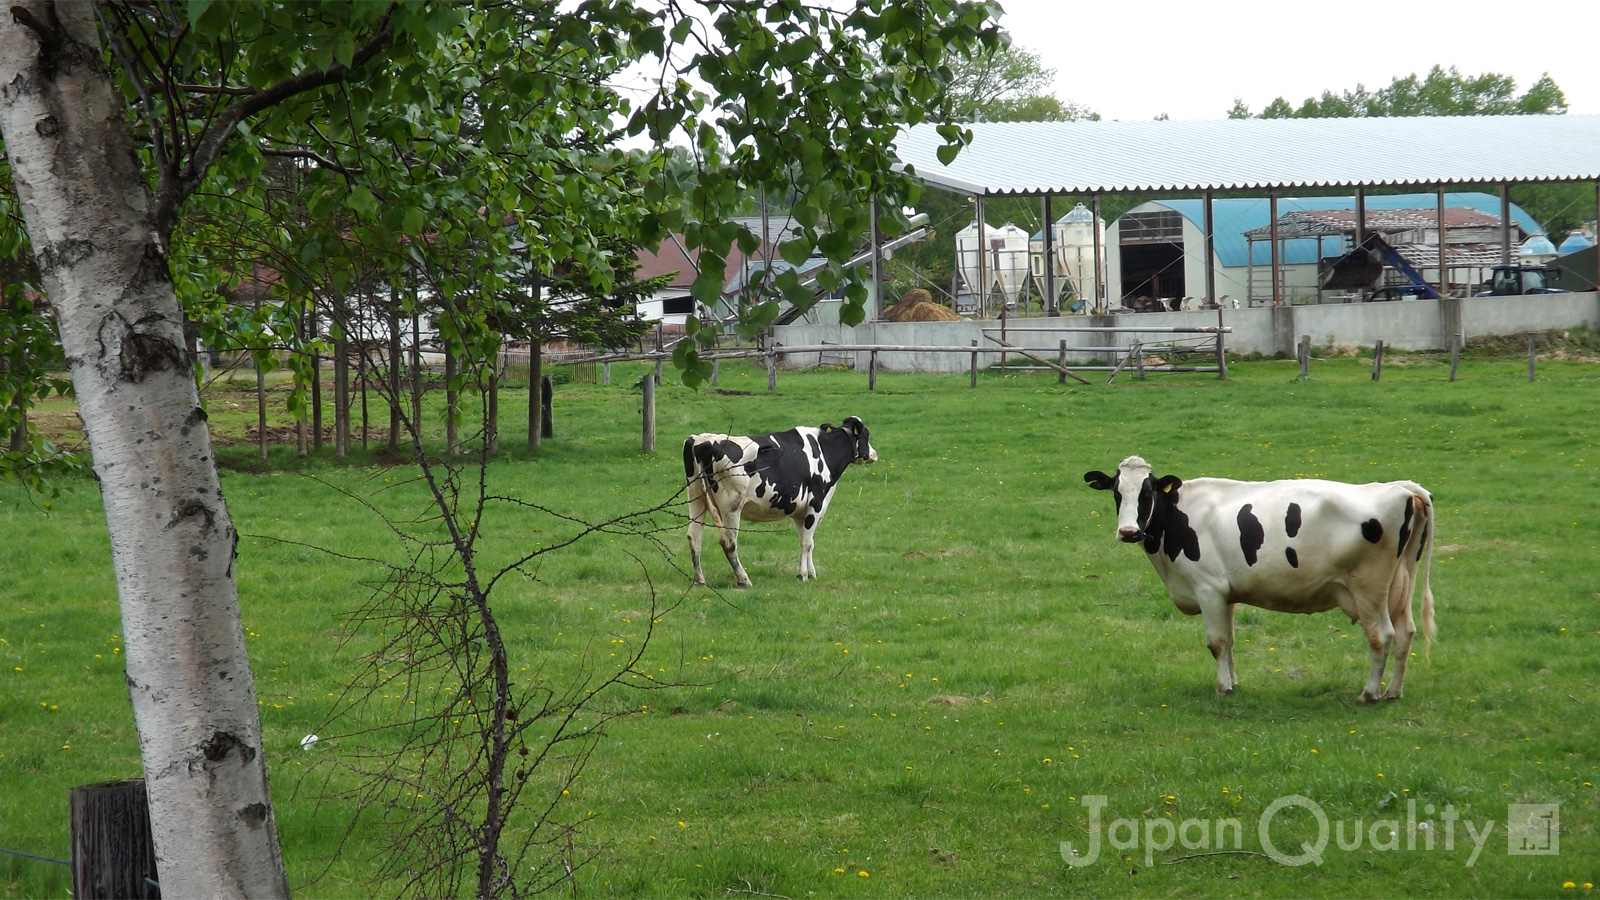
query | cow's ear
(1100,481)
(855,426)
(1169,483)
(826,428)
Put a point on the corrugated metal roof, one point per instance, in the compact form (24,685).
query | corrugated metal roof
(1235,216)
(1303,222)
(1021,158)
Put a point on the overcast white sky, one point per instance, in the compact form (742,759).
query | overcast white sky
(1137,59)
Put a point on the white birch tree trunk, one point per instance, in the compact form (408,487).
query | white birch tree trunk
(104,267)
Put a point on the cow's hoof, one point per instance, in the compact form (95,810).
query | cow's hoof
(1390,697)
(1224,690)
(1368,697)
(698,582)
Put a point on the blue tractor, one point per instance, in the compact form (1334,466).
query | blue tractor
(1520,278)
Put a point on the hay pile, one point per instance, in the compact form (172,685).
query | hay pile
(917,306)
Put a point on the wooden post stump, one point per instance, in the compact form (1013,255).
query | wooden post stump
(1303,350)
(1377,360)
(872,371)
(974,365)
(113,848)
(1455,355)
(1533,352)
(1061,360)
(648,383)
(547,421)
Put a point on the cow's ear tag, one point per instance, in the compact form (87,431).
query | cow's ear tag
(1166,488)
(827,428)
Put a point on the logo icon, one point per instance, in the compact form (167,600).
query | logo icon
(1533,829)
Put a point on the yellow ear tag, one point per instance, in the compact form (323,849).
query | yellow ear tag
(827,428)
(1166,488)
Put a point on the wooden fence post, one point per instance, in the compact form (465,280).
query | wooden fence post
(1303,351)
(1138,360)
(1533,350)
(716,371)
(605,377)
(772,370)
(974,365)
(113,849)
(1455,354)
(872,371)
(658,371)
(648,408)
(1061,377)
(1377,360)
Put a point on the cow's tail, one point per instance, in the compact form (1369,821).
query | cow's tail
(1425,556)
(695,467)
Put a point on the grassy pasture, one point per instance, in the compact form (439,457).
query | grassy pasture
(978,656)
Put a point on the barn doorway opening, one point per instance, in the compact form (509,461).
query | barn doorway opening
(1152,259)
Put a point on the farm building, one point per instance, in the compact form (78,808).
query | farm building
(1436,157)
(1157,249)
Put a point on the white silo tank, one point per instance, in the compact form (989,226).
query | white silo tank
(967,244)
(1009,259)
(1075,238)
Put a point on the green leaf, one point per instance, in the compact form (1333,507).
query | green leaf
(795,252)
(362,200)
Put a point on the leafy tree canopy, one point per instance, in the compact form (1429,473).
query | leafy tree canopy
(1008,84)
(1441,93)
(1446,92)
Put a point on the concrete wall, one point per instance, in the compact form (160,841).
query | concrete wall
(1401,324)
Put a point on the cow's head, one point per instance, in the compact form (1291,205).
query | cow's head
(863,447)
(1139,495)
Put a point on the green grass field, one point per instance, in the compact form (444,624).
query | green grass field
(978,656)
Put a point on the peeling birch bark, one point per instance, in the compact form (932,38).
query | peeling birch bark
(104,267)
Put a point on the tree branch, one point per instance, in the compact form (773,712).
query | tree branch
(217,135)
(314,156)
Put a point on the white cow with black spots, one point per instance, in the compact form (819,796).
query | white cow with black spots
(785,475)
(1300,546)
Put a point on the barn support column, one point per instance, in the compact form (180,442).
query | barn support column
(1444,268)
(1052,303)
(877,258)
(1211,251)
(1361,216)
(1505,223)
(982,287)
(1099,284)
(1272,202)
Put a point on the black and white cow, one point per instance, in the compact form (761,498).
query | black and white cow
(785,475)
(1300,546)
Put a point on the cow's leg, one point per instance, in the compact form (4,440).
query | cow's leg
(1380,639)
(728,537)
(807,527)
(1405,629)
(1218,616)
(699,508)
